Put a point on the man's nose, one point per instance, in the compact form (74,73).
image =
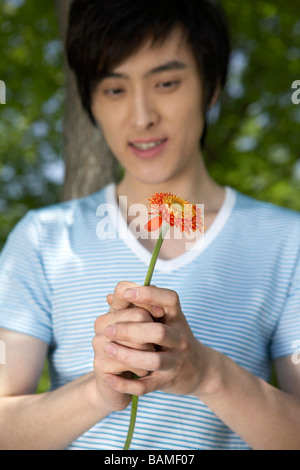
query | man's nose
(144,113)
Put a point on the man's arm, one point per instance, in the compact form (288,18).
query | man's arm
(288,375)
(264,416)
(50,420)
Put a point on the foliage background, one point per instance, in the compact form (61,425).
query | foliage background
(253,138)
(31,167)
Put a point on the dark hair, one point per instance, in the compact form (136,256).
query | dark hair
(103,33)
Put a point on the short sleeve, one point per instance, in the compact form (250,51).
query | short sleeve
(25,294)
(287,332)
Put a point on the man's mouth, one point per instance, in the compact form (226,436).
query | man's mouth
(147,145)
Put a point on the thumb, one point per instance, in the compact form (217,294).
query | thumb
(116,300)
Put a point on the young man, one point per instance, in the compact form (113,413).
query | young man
(202,339)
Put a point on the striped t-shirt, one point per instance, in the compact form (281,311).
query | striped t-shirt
(240,291)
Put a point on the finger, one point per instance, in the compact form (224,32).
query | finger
(144,333)
(119,369)
(136,387)
(156,311)
(152,295)
(133,358)
(137,314)
(118,300)
(103,363)
(116,368)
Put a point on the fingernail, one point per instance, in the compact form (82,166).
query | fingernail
(130,293)
(110,331)
(110,349)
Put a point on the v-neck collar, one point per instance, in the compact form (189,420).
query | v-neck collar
(121,228)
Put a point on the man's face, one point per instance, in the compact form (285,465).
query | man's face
(150,109)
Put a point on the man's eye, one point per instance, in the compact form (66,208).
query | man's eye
(169,84)
(113,91)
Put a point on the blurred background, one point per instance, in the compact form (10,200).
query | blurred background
(31,149)
(253,137)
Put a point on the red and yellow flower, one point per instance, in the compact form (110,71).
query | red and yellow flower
(175,211)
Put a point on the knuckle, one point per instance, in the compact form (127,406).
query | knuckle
(122,386)
(100,323)
(122,332)
(171,380)
(160,333)
(137,315)
(140,389)
(174,298)
(97,363)
(141,315)
(96,342)
(97,324)
(122,354)
(122,285)
(157,361)
(141,373)
(184,343)
(119,287)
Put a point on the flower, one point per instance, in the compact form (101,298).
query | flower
(175,211)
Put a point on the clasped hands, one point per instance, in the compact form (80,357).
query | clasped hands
(145,333)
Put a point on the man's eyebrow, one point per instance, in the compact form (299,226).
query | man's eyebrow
(172,65)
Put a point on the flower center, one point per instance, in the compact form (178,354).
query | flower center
(176,208)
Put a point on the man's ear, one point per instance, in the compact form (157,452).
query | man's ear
(215,96)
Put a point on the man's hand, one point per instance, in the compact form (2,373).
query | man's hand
(177,364)
(105,364)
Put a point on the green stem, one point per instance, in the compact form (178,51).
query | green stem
(154,259)
(134,398)
(134,404)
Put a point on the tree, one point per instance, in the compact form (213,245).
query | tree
(31,167)
(256,148)
(88,161)
(252,143)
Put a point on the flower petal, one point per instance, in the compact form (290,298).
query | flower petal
(153,224)
(176,211)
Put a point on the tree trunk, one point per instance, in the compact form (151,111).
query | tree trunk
(89,163)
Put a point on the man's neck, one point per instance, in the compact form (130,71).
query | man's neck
(197,188)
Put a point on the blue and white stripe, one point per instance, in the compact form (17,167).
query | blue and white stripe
(240,292)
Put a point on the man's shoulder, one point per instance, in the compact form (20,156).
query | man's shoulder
(266,210)
(266,218)
(59,221)
(69,212)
